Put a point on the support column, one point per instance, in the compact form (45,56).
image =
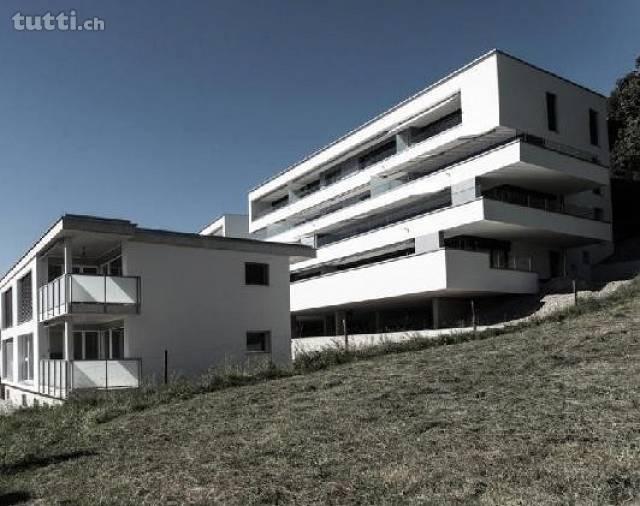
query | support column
(339,318)
(435,313)
(68,340)
(68,259)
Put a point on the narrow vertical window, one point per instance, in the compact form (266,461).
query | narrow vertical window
(552,116)
(593,127)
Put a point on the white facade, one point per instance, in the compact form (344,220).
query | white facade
(105,301)
(489,181)
(229,225)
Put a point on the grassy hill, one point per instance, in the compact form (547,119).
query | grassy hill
(546,414)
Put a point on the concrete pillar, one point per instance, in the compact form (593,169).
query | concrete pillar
(378,324)
(340,317)
(435,312)
(402,140)
(68,340)
(68,257)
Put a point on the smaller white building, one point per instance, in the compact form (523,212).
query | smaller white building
(103,303)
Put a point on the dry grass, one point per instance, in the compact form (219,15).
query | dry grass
(548,414)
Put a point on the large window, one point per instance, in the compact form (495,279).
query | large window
(7,309)
(259,342)
(25,356)
(256,273)
(112,345)
(7,359)
(552,114)
(113,267)
(86,345)
(593,127)
(25,299)
(98,344)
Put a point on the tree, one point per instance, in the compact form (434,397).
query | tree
(624,123)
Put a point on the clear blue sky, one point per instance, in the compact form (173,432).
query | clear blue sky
(172,113)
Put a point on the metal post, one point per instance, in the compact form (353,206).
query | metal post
(166,370)
(473,315)
(346,335)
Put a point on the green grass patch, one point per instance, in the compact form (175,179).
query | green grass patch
(545,412)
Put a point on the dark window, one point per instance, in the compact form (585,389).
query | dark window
(54,271)
(258,341)
(552,117)
(419,134)
(281,202)
(117,343)
(77,346)
(378,153)
(598,214)
(114,267)
(593,127)
(256,274)
(597,191)
(7,308)
(25,299)
(91,345)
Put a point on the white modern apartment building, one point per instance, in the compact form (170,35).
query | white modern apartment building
(96,303)
(484,184)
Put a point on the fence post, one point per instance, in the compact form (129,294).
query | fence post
(575,293)
(473,315)
(346,335)
(166,370)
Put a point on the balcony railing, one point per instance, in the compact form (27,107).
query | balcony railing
(59,377)
(543,203)
(88,293)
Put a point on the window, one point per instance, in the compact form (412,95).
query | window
(597,191)
(112,344)
(598,214)
(117,343)
(552,119)
(256,274)
(54,271)
(593,127)
(113,267)
(258,342)
(7,309)
(98,345)
(25,299)
(25,357)
(419,134)
(84,269)
(7,359)
(56,342)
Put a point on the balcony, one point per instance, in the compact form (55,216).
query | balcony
(88,293)
(59,377)
(438,273)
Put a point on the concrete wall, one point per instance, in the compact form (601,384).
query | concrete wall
(196,305)
(522,90)
(478,88)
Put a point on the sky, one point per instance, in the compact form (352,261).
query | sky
(176,109)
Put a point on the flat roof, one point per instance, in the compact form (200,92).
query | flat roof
(131,231)
(416,95)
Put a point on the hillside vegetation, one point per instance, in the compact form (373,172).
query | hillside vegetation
(544,414)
